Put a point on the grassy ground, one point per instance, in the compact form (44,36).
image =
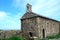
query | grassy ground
(22,38)
(54,36)
(14,38)
(57,36)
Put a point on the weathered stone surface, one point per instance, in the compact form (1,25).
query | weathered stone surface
(50,27)
(9,33)
(38,26)
(1,34)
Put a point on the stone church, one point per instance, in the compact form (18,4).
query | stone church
(34,25)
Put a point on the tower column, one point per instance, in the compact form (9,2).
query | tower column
(29,7)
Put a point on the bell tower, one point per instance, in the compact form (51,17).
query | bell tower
(28,7)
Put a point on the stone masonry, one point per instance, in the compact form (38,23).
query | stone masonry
(34,25)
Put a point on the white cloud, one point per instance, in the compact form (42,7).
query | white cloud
(2,14)
(44,7)
(37,4)
(47,8)
(9,22)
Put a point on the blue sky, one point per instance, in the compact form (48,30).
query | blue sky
(12,10)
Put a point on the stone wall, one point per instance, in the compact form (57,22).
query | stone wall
(50,27)
(30,25)
(36,25)
(1,34)
(9,33)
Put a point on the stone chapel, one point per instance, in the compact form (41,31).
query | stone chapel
(34,25)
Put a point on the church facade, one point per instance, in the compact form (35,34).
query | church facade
(34,25)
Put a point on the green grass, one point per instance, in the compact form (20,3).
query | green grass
(54,36)
(22,38)
(14,38)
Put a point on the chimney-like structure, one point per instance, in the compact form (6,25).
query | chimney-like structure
(29,7)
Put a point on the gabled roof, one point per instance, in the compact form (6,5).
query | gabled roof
(32,14)
(29,15)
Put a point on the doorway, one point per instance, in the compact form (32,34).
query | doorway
(30,33)
(43,32)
